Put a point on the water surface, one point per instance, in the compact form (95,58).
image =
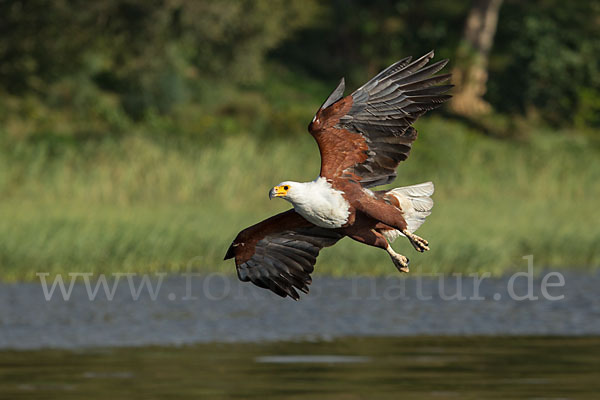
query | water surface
(350,368)
(222,309)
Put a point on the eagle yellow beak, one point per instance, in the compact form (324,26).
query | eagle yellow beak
(278,191)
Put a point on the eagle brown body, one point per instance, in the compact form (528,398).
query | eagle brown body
(362,138)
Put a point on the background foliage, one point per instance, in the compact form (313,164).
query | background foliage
(141,134)
(80,68)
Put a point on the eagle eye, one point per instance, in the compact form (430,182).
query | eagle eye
(286,187)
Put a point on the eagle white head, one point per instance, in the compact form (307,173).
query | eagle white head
(317,201)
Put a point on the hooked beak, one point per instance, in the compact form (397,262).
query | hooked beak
(277,191)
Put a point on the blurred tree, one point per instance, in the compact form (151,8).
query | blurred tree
(542,61)
(545,61)
(148,53)
(356,38)
(470,66)
(76,66)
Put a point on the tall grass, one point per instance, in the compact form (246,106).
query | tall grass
(161,203)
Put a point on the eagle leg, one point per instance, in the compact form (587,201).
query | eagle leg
(418,242)
(374,238)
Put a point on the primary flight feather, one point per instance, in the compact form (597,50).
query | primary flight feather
(362,138)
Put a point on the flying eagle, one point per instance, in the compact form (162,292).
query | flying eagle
(362,138)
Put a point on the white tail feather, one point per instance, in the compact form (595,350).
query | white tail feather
(415,203)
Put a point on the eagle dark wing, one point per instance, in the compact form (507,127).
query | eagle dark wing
(280,252)
(366,135)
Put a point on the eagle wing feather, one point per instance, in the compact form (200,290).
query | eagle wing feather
(364,136)
(280,252)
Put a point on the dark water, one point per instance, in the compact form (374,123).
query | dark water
(351,338)
(344,369)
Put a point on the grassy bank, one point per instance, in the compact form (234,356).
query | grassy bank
(160,203)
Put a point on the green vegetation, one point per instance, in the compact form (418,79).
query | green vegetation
(143,204)
(68,68)
(141,136)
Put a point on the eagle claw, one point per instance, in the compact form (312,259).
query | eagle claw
(401,263)
(418,242)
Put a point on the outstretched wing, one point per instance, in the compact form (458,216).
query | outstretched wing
(366,135)
(280,252)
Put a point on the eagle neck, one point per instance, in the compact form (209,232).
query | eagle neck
(319,203)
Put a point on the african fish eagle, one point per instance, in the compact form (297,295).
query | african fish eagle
(362,138)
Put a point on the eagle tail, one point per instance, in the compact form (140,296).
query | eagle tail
(415,202)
